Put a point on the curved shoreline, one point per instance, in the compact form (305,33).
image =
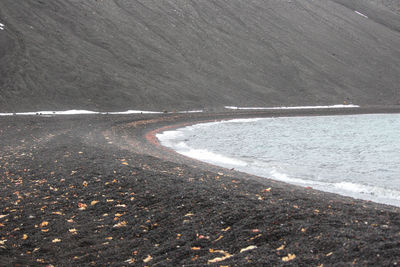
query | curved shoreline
(183,121)
(371,193)
(94,190)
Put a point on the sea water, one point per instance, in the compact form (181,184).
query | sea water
(354,155)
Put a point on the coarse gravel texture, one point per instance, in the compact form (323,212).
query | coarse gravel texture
(99,190)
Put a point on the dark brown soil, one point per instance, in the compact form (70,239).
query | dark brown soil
(97,190)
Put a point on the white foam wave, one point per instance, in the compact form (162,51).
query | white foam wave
(285,178)
(243,120)
(213,158)
(170,139)
(208,124)
(366,192)
(276,169)
(167,138)
(376,191)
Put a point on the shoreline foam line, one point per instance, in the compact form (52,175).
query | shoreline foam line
(298,107)
(169,137)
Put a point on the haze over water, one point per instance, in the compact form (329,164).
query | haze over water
(355,155)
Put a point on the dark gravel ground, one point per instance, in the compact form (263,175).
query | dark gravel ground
(97,190)
(112,55)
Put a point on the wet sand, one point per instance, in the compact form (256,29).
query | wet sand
(100,190)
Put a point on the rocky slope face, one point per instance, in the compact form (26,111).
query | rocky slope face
(180,54)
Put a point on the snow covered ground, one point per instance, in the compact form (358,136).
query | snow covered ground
(361,14)
(86,112)
(89,112)
(2,26)
(299,107)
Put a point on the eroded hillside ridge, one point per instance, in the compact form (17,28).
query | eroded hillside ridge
(180,54)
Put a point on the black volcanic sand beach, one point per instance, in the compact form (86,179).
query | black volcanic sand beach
(98,190)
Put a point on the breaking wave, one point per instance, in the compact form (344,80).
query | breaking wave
(353,155)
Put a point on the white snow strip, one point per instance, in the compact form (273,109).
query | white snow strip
(132,112)
(361,14)
(2,26)
(85,112)
(192,111)
(67,112)
(300,107)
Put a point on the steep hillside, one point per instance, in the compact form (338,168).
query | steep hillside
(181,54)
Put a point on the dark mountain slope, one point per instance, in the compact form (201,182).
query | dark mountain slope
(180,54)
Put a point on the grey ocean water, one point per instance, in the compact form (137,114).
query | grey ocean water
(357,155)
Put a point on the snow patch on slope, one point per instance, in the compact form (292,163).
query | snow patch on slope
(131,112)
(88,112)
(192,111)
(66,112)
(299,107)
(361,14)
